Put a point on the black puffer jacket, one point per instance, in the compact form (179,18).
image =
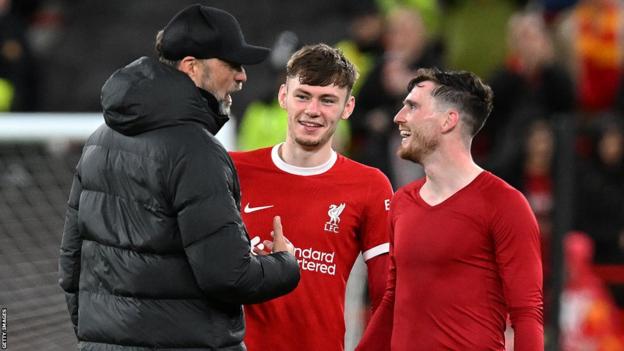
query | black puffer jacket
(154,253)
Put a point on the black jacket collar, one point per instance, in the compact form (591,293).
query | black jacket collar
(147,95)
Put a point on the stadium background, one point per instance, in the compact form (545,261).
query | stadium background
(75,46)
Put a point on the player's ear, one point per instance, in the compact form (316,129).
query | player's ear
(349,106)
(451,120)
(281,95)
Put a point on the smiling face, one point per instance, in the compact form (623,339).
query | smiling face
(420,123)
(314,111)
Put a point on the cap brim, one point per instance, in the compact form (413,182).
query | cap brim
(247,55)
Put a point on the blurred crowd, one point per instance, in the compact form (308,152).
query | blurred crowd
(548,62)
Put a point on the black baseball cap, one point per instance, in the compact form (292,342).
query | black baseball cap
(207,32)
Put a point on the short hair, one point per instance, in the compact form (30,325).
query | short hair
(159,52)
(461,89)
(322,65)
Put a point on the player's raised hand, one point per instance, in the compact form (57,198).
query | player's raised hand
(280,242)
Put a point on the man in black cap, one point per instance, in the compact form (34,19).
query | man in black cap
(154,253)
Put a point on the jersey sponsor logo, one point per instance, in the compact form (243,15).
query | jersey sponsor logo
(309,259)
(249,209)
(316,261)
(334,217)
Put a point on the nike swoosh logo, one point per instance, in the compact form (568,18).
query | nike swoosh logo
(248,209)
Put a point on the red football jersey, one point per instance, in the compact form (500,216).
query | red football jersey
(458,269)
(330,213)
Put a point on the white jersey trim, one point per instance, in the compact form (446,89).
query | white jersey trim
(302,171)
(376,251)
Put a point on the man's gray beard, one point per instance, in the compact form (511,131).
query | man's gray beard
(224,108)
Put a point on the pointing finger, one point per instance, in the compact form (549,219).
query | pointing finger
(277,227)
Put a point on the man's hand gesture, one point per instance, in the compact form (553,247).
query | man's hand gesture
(280,242)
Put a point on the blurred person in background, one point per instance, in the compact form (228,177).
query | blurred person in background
(474,36)
(601,191)
(600,199)
(592,34)
(154,252)
(18,77)
(333,208)
(531,85)
(264,121)
(464,245)
(534,176)
(363,46)
(552,9)
(532,172)
(406,48)
(589,318)
(430,10)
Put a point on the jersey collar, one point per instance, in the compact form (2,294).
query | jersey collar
(302,171)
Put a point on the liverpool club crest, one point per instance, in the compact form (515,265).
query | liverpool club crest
(334,217)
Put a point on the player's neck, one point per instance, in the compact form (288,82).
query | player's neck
(446,174)
(299,156)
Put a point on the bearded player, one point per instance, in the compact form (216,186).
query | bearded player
(464,245)
(332,207)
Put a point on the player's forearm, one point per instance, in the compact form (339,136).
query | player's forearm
(528,325)
(529,337)
(378,333)
(377,277)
